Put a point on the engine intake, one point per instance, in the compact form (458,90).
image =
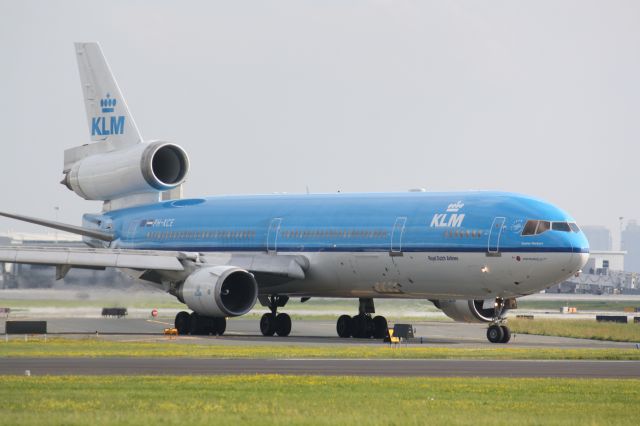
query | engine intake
(219,291)
(146,167)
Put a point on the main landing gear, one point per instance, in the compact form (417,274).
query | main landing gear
(199,325)
(498,332)
(363,325)
(273,322)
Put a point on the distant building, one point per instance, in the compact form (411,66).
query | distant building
(604,273)
(599,237)
(631,244)
(602,262)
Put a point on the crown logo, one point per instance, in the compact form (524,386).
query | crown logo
(107,103)
(454,207)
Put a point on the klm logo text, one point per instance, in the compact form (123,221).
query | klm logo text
(444,220)
(102,127)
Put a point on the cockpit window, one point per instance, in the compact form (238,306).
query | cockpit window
(537,227)
(530,227)
(543,225)
(561,226)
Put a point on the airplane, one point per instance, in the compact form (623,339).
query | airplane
(471,253)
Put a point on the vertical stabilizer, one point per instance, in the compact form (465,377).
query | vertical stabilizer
(108,116)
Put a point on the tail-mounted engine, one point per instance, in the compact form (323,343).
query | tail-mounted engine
(219,291)
(141,168)
(472,310)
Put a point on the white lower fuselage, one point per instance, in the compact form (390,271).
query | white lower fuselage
(434,275)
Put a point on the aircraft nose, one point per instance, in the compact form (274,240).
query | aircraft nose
(581,252)
(581,260)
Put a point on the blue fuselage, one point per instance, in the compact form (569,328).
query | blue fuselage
(384,222)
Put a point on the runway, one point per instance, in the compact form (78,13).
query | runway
(357,367)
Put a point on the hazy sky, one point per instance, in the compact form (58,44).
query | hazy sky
(540,97)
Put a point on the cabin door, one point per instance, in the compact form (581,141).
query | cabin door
(396,236)
(494,235)
(272,234)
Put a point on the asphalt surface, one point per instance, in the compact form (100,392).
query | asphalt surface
(407,368)
(245,331)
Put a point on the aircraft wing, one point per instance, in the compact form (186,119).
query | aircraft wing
(93,257)
(270,269)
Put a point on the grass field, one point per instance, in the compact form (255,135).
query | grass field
(273,399)
(582,305)
(92,347)
(584,329)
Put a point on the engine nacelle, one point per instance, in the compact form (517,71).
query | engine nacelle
(219,291)
(471,310)
(146,167)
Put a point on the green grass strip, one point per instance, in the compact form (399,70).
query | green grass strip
(318,400)
(581,305)
(583,329)
(92,347)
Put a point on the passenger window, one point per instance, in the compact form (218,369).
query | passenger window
(530,227)
(561,226)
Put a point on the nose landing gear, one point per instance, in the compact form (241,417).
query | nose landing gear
(498,332)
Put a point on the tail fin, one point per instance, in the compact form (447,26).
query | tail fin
(107,112)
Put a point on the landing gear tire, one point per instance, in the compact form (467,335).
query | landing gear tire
(268,324)
(196,325)
(283,325)
(495,334)
(343,326)
(506,334)
(362,326)
(273,322)
(208,325)
(357,326)
(221,326)
(214,326)
(380,327)
(182,323)
(199,325)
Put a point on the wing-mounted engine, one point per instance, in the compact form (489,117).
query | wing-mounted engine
(143,168)
(471,310)
(219,291)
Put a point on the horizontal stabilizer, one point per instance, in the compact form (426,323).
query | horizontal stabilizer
(92,233)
